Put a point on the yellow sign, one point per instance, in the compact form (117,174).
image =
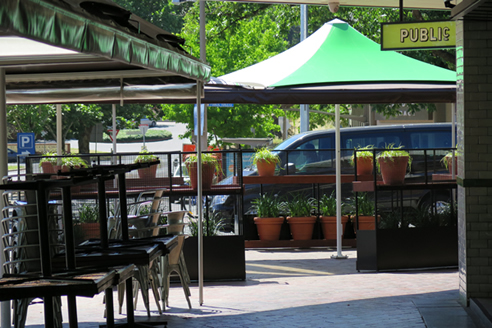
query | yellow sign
(418,35)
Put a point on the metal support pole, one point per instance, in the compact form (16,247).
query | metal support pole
(338,184)
(114,130)
(59,132)
(304,113)
(199,198)
(203,57)
(5,307)
(401,10)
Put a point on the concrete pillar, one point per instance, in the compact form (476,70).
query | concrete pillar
(474,123)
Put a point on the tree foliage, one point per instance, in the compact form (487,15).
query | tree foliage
(163,14)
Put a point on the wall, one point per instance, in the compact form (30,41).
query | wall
(474,122)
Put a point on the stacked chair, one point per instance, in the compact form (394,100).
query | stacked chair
(145,223)
(21,245)
(175,261)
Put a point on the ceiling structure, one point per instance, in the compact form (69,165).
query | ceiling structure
(473,9)
(46,44)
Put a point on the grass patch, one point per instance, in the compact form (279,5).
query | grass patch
(134,135)
(14,166)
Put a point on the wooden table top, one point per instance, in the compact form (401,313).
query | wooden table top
(80,284)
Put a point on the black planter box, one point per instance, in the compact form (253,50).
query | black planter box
(412,248)
(223,258)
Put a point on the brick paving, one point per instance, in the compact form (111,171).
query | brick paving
(303,288)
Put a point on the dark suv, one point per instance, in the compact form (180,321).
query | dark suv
(313,153)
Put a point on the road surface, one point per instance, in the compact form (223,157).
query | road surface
(174,144)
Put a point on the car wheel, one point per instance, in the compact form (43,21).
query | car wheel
(441,202)
(153,124)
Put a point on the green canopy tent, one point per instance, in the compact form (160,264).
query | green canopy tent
(337,54)
(339,57)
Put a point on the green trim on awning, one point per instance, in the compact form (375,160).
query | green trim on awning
(44,22)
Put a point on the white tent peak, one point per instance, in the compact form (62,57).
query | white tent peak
(335,21)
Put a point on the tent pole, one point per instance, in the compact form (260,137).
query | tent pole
(199,146)
(59,131)
(114,130)
(370,115)
(203,57)
(304,108)
(5,307)
(338,185)
(199,193)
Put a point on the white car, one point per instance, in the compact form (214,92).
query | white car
(149,122)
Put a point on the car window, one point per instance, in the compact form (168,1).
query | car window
(311,157)
(430,139)
(378,140)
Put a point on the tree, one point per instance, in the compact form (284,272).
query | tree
(29,118)
(78,122)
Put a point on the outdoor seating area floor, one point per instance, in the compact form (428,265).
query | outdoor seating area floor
(301,288)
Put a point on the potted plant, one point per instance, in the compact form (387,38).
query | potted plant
(300,219)
(69,163)
(392,162)
(365,211)
(210,166)
(268,220)
(328,218)
(447,161)
(72,162)
(148,172)
(265,162)
(364,157)
(48,162)
(88,221)
(223,253)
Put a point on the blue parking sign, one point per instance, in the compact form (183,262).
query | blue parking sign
(26,144)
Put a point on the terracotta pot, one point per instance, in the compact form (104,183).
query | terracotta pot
(450,165)
(364,165)
(301,228)
(329,226)
(208,172)
(148,172)
(265,169)
(269,228)
(90,230)
(47,167)
(393,171)
(366,222)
